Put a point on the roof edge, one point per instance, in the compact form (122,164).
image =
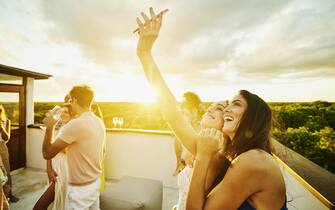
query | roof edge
(10,70)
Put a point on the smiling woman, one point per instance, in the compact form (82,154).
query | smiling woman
(247,127)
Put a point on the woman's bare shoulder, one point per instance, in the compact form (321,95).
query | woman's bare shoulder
(256,160)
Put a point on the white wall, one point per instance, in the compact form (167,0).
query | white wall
(141,155)
(127,154)
(30,101)
(34,148)
(29,107)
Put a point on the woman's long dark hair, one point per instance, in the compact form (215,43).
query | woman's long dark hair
(254,129)
(253,132)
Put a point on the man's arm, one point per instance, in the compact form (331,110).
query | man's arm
(50,150)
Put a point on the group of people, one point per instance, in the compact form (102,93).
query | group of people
(229,161)
(6,179)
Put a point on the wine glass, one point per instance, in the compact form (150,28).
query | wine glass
(120,121)
(115,121)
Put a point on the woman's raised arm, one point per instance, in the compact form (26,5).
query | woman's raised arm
(148,33)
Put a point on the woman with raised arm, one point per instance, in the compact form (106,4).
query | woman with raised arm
(253,179)
(148,34)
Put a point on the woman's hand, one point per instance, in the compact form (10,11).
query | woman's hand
(149,30)
(52,175)
(209,142)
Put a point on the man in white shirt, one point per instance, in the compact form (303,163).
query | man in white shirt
(84,140)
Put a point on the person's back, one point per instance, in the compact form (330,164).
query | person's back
(271,185)
(86,136)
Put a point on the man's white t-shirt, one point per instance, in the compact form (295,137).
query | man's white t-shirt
(86,136)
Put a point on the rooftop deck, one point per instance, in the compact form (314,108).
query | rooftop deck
(146,154)
(31,183)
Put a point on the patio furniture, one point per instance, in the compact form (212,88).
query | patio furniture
(132,193)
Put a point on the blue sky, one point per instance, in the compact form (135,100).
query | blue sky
(281,50)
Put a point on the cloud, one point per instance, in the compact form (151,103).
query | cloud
(103,28)
(295,40)
(202,43)
(256,39)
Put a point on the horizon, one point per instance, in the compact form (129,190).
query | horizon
(181,102)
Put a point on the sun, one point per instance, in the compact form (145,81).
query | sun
(125,88)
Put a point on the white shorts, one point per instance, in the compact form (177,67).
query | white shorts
(83,197)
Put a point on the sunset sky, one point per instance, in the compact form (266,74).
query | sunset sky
(281,50)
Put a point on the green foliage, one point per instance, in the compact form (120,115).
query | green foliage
(331,108)
(327,139)
(135,115)
(314,116)
(330,117)
(12,111)
(318,146)
(308,128)
(293,117)
(315,123)
(326,148)
(300,139)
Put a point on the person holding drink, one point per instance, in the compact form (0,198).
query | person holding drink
(84,141)
(5,125)
(57,168)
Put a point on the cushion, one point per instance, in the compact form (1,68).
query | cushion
(131,193)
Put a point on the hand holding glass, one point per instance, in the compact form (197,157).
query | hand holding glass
(56,112)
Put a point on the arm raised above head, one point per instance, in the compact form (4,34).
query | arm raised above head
(148,33)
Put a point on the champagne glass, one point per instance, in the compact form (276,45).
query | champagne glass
(115,121)
(120,121)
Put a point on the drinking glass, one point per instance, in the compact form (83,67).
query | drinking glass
(115,121)
(56,112)
(120,121)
